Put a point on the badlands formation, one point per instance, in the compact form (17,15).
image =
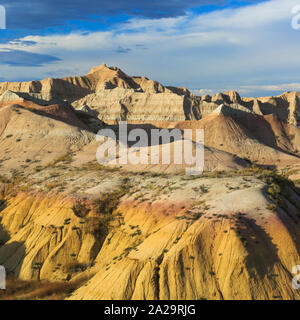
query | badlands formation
(71,228)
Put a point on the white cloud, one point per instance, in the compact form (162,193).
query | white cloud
(222,26)
(228,48)
(278,87)
(201,92)
(253,16)
(291,87)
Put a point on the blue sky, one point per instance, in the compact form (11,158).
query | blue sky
(206,46)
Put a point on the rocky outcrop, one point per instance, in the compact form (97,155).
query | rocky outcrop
(238,130)
(293,100)
(10,96)
(127,104)
(233,109)
(232,97)
(45,240)
(117,96)
(286,106)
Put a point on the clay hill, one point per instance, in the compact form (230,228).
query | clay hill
(71,228)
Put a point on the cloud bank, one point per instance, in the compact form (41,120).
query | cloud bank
(37,14)
(252,49)
(18,58)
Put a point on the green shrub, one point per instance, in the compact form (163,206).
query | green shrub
(108,202)
(75,267)
(80,209)
(271,206)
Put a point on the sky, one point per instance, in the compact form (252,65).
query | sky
(206,46)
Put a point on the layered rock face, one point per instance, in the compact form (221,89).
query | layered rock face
(117,96)
(285,107)
(127,104)
(224,242)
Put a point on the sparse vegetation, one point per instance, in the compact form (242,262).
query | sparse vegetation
(75,267)
(108,202)
(80,209)
(17,289)
(271,206)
